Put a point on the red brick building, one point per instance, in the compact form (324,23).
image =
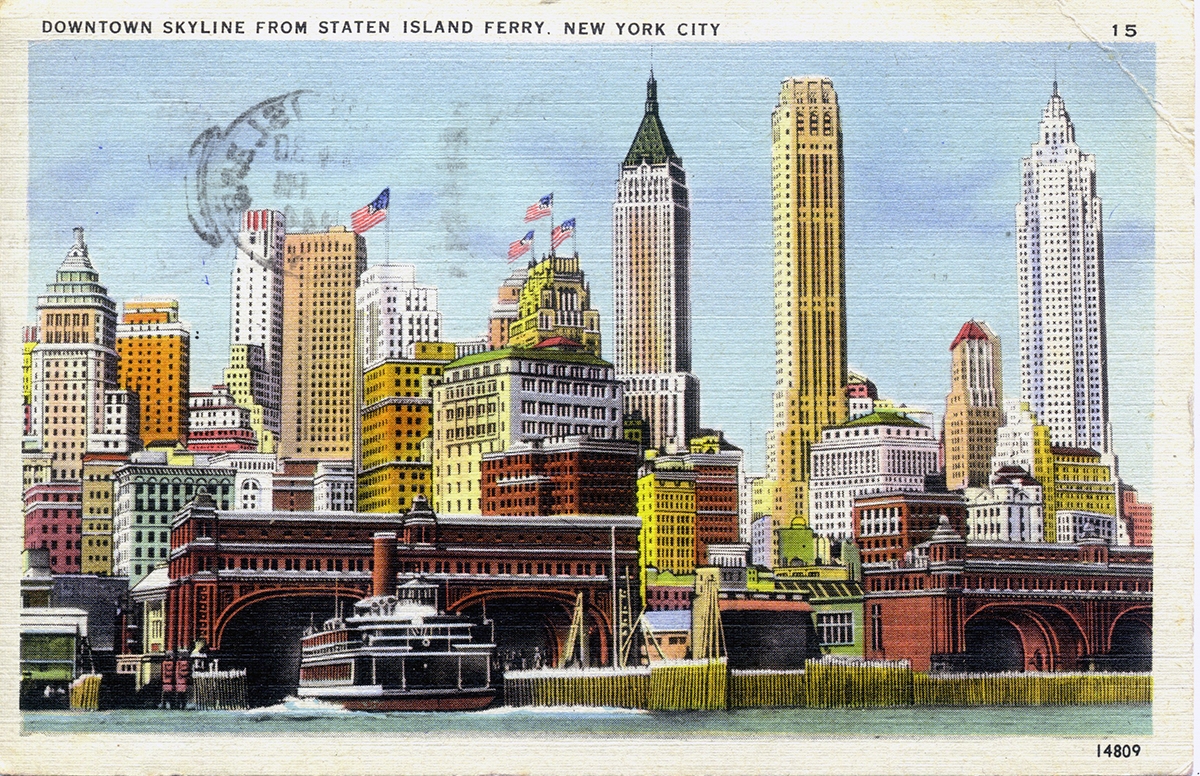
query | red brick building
(887,525)
(54,522)
(1027,606)
(1138,516)
(575,475)
(716,500)
(522,571)
(293,486)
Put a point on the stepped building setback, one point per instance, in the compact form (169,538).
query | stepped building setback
(1060,283)
(394,313)
(73,368)
(255,372)
(808,198)
(555,303)
(652,315)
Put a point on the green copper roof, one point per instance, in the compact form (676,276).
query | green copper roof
(650,144)
(883,418)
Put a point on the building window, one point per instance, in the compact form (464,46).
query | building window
(876,627)
(835,628)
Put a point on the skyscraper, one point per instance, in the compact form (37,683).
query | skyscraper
(74,364)
(320,371)
(556,302)
(972,406)
(153,348)
(807,193)
(394,312)
(652,248)
(255,373)
(1060,269)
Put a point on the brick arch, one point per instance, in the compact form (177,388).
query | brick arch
(564,598)
(227,614)
(1142,614)
(1060,632)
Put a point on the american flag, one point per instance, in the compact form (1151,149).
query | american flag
(365,217)
(519,248)
(539,209)
(562,232)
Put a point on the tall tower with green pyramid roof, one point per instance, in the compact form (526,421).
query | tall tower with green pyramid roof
(652,250)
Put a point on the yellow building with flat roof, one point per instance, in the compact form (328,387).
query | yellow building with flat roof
(666,501)
(96,551)
(397,416)
(487,401)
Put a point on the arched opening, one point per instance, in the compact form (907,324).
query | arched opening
(531,630)
(1130,643)
(264,638)
(1024,638)
(994,644)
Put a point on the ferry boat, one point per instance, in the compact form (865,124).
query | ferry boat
(399,653)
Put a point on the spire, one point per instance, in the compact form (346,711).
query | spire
(1054,93)
(652,94)
(650,144)
(77,258)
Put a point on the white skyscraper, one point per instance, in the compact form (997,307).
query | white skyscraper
(255,373)
(1060,268)
(394,312)
(652,247)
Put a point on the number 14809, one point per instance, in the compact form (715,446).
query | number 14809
(1118,750)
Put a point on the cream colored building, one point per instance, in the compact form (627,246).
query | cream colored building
(488,401)
(652,316)
(74,366)
(1060,285)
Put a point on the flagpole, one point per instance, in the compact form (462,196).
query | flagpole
(387,241)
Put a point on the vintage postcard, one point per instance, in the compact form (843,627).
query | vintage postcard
(544,387)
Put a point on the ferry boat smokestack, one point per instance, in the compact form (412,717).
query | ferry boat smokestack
(383,580)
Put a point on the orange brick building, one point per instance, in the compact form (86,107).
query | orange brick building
(153,362)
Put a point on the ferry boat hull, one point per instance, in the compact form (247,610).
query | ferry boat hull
(437,700)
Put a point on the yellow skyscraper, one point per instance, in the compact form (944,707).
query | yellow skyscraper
(807,194)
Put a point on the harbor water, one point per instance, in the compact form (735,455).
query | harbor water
(307,717)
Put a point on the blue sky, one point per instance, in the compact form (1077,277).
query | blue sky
(467,136)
